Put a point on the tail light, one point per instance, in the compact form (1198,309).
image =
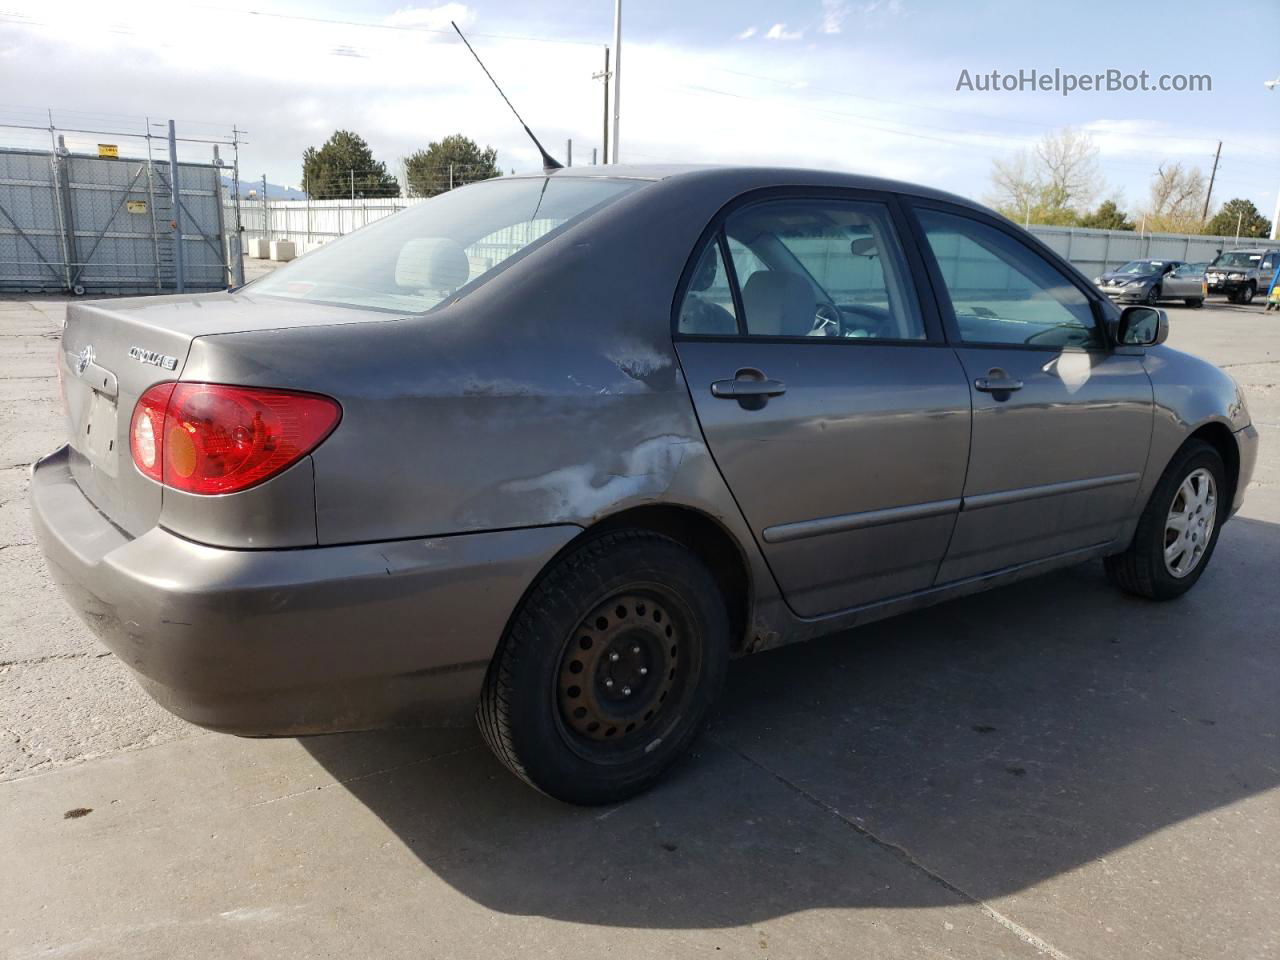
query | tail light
(210,438)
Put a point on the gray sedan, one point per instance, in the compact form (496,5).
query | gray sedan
(553,448)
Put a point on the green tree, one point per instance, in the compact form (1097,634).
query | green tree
(428,171)
(1108,216)
(343,167)
(1238,211)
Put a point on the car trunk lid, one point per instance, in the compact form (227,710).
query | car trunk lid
(113,351)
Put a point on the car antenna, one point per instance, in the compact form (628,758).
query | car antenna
(549,162)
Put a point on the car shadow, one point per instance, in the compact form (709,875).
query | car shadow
(992,742)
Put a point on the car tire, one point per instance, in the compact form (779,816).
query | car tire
(1247,294)
(1153,295)
(629,610)
(1195,302)
(1143,568)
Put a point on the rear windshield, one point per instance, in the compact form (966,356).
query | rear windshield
(415,259)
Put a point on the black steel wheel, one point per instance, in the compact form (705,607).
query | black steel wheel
(607,669)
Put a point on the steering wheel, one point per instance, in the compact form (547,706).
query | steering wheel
(826,321)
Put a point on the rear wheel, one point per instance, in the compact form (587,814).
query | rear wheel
(1179,528)
(608,668)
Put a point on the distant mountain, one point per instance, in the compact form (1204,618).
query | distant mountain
(274,190)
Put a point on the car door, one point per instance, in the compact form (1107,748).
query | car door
(827,394)
(1061,420)
(1178,285)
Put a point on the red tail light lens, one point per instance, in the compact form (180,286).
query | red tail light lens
(209,438)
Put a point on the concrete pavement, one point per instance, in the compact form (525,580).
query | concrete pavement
(1052,769)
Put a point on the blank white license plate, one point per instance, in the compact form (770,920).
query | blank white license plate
(99,440)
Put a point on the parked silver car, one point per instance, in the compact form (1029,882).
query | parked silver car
(554,448)
(1151,281)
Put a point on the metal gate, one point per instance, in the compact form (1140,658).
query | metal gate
(77,223)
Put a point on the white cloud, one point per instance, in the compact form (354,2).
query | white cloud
(432,18)
(887,7)
(746,34)
(834,14)
(293,82)
(779,31)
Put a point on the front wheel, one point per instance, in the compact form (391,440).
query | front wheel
(1246,295)
(1153,296)
(608,668)
(1179,528)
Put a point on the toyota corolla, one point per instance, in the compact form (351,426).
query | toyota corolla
(552,449)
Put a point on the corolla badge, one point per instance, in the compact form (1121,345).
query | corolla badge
(153,358)
(84,358)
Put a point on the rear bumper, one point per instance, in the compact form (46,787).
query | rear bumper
(287,642)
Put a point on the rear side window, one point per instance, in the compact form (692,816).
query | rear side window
(708,307)
(417,258)
(1003,292)
(807,268)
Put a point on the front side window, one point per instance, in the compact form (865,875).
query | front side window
(415,259)
(811,268)
(1003,292)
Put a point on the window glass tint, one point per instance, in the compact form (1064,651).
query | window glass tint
(415,259)
(822,268)
(708,303)
(1004,292)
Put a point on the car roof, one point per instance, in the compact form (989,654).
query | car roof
(737,178)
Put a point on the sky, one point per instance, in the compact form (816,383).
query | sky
(859,85)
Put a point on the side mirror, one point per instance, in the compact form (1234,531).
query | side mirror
(1142,327)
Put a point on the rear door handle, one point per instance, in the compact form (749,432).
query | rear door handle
(738,389)
(997,381)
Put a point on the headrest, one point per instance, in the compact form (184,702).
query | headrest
(432,263)
(778,304)
(704,275)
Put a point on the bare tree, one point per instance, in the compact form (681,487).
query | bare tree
(1177,199)
(1068,167)
(1055,182)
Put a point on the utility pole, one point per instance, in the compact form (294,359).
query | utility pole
(617,71)
(1275,217)
(593,156)
(568,152)
(266,212)
(604,75)
(1204,215)
(179,278)
(353,185)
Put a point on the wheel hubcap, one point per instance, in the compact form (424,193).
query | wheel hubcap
(619,667)
(1189,525)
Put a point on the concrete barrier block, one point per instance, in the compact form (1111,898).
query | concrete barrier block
(282,250)
(258,248)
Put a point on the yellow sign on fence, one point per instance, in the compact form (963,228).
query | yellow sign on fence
(137,206)
(108,150)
